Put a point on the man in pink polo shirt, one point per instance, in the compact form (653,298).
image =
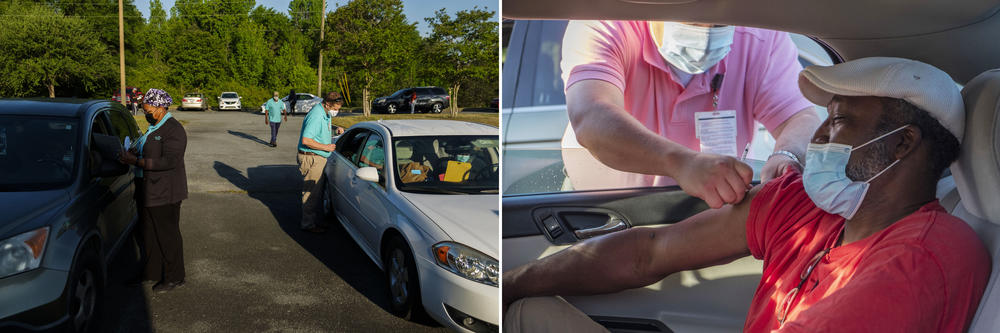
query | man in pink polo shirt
(855,242)
(667,99)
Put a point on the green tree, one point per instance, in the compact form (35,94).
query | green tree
(43,49)
(466,45)
(197,61)
(370,39)
(249,51)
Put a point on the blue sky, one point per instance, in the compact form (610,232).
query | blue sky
(415,10)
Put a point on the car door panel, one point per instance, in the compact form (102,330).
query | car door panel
(713,299)
(371,197)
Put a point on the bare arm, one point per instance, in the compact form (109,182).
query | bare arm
(793,135)
(308,142)
(602,125)
(636,257)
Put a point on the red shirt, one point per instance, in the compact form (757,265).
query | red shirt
(924,273)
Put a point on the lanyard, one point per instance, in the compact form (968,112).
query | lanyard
(716,85)
(142,139)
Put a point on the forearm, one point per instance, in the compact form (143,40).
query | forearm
(794,134)
(616,138)
(600,265)
(312,144)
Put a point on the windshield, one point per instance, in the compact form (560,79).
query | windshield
(192,95)
(447,164)
(230,95)
(36,153)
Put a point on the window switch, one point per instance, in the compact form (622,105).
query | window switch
(552,227)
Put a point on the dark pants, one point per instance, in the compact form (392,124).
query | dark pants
(161,235)
(274,132)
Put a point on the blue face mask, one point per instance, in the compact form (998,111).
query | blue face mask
(825,177)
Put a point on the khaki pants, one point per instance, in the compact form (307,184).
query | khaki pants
(311,167)
(548,314)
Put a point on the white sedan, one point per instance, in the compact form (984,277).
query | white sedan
(421,199)
(303,103)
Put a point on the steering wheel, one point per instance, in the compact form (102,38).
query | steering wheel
(62,166)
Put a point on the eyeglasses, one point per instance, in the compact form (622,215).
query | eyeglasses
(790,297)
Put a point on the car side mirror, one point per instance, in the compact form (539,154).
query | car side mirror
(104,157)
(368,174)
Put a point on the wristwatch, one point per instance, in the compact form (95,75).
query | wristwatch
(786,153)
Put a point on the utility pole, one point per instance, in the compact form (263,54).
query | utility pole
(121,52)
(322,28)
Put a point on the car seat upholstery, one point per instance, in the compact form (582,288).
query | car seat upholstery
(977,178)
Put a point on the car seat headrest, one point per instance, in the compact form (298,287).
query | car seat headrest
(977,170)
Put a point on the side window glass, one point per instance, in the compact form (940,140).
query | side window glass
(351,144)
(548,76)
(123,127)
(373,155)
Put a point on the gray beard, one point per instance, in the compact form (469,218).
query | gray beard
(874,159)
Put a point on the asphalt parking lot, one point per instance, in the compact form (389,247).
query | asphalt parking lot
(249,268)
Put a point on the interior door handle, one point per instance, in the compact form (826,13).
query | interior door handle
(614,224)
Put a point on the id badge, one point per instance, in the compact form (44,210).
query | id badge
(716,131)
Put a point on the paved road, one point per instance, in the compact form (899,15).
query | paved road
(249,268)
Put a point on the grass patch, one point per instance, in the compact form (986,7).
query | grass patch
(143,125)
(491,119)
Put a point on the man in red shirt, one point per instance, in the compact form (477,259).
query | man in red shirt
(856,241)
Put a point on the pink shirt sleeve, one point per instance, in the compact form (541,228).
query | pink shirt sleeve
(778,96)
(596,50)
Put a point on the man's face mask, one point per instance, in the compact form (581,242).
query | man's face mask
(825,177)
(693,49)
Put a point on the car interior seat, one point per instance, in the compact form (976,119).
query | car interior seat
(977,179)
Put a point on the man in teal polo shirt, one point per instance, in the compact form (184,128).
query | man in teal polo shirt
(315,145)
(275,111)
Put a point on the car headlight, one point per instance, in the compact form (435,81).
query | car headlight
(22,252)
(466,262)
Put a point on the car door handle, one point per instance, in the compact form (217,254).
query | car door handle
(614,224)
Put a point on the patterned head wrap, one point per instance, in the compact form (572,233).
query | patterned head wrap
(157,98)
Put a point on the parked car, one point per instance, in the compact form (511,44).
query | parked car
(230,101)
(717,298)
(429,99)
(67,208)
(534,108)
(131,94)
(420,197)
(194,101)
(303,104)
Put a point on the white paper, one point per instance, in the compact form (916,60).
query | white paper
(717,131)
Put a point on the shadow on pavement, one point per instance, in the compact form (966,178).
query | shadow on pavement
(278,187)
(126,307)
(248,137)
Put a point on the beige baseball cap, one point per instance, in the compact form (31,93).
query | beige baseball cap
(920,84)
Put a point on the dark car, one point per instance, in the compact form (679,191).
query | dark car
(67,206)
(429,99)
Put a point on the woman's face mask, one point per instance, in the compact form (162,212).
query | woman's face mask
(694,49)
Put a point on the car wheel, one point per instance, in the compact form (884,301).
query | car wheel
(437,108)
(391,108)
(85,288)
(401,277)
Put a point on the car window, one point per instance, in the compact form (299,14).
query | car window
(447,164)
(230,95)
(349,145)
(542,167)
(37,153)
(424,91)
(123,125)
(304,97)
(438,91)
(373,155)
(398,93)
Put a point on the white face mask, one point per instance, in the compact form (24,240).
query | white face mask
(693,49)
(333,113)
